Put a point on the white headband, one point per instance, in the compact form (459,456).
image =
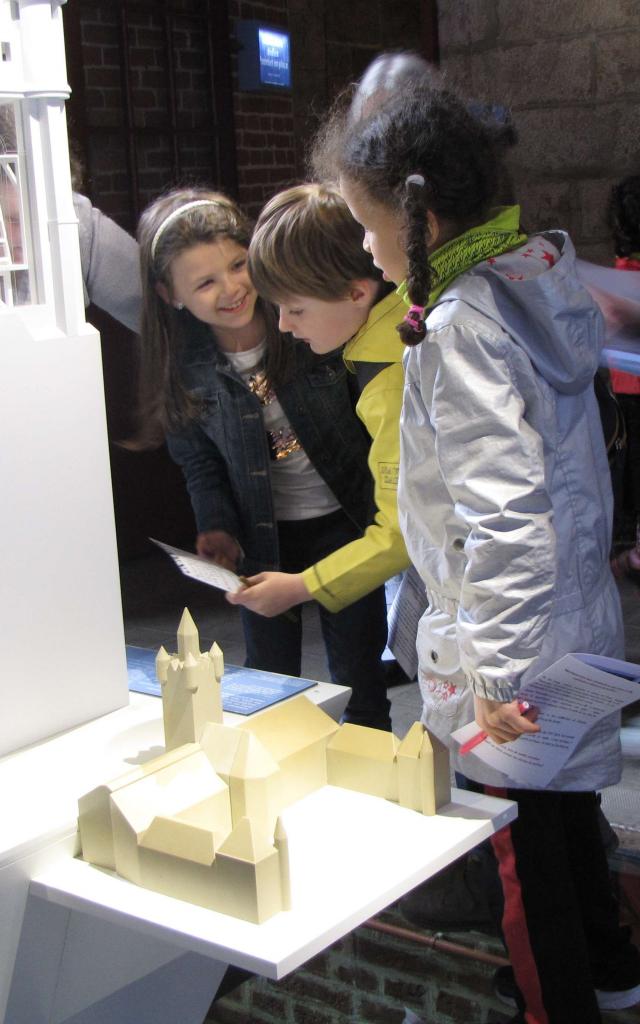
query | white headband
(169,219)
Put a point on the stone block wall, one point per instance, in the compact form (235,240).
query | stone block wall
(570,73)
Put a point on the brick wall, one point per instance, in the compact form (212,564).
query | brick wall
(331,44)
(99,114)
(570,72)
(369,978)
(103,109)
(263,123)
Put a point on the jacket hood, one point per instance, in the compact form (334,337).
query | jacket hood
(377,340)
(534,293)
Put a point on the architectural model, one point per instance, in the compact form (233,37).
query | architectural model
(202,821)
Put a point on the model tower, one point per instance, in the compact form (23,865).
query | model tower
(190,681)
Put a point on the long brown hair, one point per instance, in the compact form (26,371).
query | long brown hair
(173,223)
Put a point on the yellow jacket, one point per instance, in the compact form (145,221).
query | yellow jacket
(375,355)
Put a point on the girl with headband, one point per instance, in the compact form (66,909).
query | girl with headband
(274,457)
(505,506)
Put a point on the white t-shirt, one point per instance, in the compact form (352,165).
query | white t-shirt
(298,490)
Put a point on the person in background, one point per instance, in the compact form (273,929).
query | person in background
(110,264)
(505,506)
(109,256)
(274,457)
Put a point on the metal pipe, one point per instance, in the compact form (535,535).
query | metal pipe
(434,942)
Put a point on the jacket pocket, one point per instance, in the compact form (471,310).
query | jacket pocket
(437,643)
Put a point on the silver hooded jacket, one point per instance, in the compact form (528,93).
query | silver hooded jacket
(504,494)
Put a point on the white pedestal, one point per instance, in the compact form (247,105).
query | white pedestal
(63,657)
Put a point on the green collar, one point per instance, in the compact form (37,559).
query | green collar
(497,235)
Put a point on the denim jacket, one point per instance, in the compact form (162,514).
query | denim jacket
(225,454)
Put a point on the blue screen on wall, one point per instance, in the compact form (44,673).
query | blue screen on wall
(273,49)
(264,56)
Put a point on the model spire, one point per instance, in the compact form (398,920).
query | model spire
(190,684)
(188,638)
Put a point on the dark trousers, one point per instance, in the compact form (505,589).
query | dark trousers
(560,920)
(354,637)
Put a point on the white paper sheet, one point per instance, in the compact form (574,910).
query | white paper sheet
(571,696)
(202,569)
(404,615)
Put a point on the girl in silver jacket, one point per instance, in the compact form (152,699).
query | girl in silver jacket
(505,506)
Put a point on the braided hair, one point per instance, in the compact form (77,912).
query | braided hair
(416,199)
(421,150)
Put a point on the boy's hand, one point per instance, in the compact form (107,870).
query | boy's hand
(219,547)
(271,593)
(504,722)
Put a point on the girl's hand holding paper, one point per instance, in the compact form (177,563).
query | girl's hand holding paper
(504,722)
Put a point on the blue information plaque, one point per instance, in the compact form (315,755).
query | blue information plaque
(244,690)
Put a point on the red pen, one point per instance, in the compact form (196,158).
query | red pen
(480,737)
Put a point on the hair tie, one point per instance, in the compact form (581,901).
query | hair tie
(415,318)
(169,219)
(415,179)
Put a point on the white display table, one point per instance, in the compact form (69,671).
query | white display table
(95,949)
